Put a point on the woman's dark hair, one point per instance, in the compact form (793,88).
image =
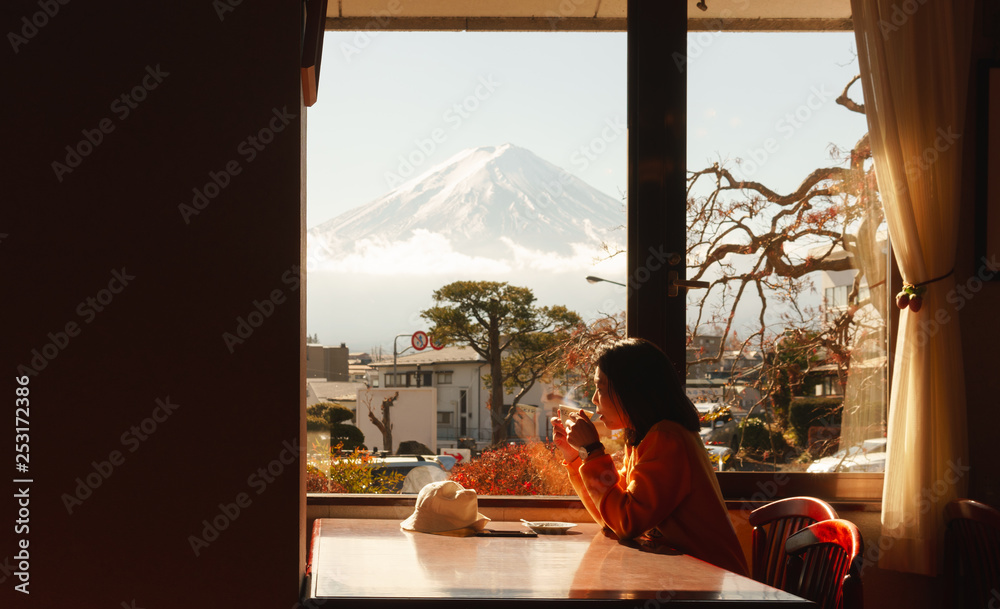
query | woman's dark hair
(647,386)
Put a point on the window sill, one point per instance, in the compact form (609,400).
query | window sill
(745,491)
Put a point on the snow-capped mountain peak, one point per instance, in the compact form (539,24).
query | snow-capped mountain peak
(488,202)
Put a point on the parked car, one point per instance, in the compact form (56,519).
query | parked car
(446,461)
(719,456)
(718,426)
(868,456)
(417,470)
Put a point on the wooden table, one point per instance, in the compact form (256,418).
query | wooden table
(368,563)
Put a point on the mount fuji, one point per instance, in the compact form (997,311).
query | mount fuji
(496,213)
(493,207)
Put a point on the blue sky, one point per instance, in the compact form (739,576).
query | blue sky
(555,94)
(418,98)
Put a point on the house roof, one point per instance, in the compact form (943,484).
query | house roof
(447,355)
(321,390)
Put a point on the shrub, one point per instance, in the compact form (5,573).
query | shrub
(412,447)
(806,412)
(331,412)
(315,423)
(329,416)
(348,436)
(318,482)
(756,438)
(353,473)
(517,469)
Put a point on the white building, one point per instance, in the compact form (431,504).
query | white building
(456,375)
(866,392)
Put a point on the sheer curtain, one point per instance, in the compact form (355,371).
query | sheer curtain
(914,58)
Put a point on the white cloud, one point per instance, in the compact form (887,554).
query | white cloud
(524,258)
(428,253)
(424,253)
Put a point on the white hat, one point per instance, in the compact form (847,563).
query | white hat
(446,508)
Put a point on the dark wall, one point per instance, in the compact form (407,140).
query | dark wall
(146,419)
(980,321)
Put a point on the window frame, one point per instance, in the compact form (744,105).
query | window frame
(741,490)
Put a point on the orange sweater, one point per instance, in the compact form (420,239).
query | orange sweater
(666,495)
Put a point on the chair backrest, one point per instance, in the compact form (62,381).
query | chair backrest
(772,524)
(972,552)
(825,563)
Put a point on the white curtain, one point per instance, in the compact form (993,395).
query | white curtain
(914,57)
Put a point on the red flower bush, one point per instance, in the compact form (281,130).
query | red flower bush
(517,469)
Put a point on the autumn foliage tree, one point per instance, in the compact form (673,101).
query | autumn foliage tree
(503,325)
(579,349)
(751,241)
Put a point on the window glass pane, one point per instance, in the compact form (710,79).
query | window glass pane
(785,221)
(484,157)
(787,351)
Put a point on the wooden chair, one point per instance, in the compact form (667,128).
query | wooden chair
(772,525)
(972,552)
(824,564)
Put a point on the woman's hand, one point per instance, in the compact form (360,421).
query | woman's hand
(559,437)
(580,431)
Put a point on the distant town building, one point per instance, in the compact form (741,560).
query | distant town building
(740,397)
(461,397)
(703,346)
(328,363)
(864,390)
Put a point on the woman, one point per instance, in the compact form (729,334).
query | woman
(666,494)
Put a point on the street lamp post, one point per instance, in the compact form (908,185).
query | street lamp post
(592,279)
(395,379)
